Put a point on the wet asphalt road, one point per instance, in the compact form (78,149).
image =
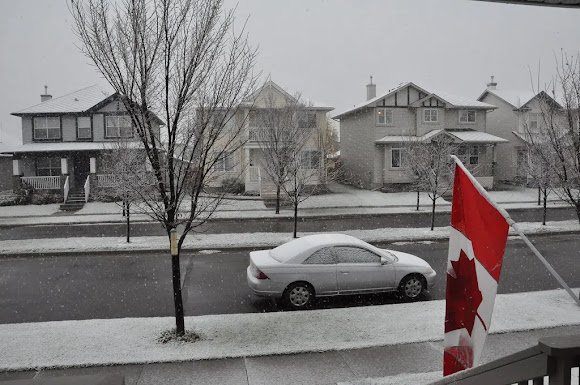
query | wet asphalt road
(361,222)
(132,285)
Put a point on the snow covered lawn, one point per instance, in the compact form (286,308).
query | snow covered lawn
(133,340)
(246,240)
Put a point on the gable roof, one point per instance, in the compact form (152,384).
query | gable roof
(74,102)
(452,100)
(270,84)
(518,99)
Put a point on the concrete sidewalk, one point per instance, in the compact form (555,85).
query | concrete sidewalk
(412,364)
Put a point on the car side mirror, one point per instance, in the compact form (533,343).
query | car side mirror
(384,261)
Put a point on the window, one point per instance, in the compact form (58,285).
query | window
(384,116)
(474,154)
(307,119)
(466,116)
(396,157)
(430,115)
(310,159)
(46,127)
(260,118)
(225,162)
(533,121)
(84,127)
(48,167)
(355,255)
(321,257)
(118,126)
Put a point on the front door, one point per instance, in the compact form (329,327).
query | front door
(82,167)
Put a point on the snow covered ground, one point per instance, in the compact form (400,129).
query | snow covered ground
(133,340)
(246,240)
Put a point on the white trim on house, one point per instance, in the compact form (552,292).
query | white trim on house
(430,110)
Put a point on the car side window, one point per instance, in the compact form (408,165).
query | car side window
(355,255)
(321,257)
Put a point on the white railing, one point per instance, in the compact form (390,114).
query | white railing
(106,180)
(87,188)
(66,188)
(42,182)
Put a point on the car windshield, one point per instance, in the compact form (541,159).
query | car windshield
(287,251)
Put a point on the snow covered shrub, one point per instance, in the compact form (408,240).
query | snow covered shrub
(233,185)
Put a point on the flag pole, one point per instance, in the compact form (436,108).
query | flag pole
(516,228)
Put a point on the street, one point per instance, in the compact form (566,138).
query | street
(283,224)
(92,286)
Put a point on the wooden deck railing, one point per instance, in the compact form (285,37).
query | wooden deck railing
(553,357)
(42,182)
(106,180)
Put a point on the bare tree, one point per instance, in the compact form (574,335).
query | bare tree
(181,60)
(554,141)
(429,165)
(281,130)
(539,174)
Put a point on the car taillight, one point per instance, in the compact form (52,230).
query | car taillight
(259,274)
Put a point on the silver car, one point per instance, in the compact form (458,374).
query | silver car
(334,264)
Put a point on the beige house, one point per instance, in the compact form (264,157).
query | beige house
(516,111)
(64,140)
(247,163)
(373,133)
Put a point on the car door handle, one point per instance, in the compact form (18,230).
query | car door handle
(344,272)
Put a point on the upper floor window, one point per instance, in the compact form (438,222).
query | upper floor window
(84,127)
(307,119)
(260,118)
(384,116)
(46,127)
(533,121)
(118,126)
(48,167)
(430,115)
(225,162)
(310,159)
(467,116)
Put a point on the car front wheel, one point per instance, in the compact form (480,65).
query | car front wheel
(412,287)
(299,295)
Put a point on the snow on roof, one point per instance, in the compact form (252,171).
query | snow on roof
(78,101)
(302,245)
(514,97)
(66,146)
(471,136)
(466,136)
(455,101)
(309,103)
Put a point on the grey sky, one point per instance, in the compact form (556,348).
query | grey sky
(324,49)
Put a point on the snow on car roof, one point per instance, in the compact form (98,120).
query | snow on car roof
(303,245)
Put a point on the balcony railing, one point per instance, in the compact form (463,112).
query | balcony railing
(254,174)
(553,357)
(106,180)
(257,134)
(42,182)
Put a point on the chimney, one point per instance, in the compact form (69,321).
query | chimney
(44,97)
(371,90)
(491,85)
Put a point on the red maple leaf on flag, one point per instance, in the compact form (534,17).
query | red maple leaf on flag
(463,295)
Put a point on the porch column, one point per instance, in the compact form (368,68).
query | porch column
(63,172)
(247,163)
(93,172)
(148,166)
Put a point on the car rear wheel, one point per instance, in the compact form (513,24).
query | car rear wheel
(299,295)
(412,287)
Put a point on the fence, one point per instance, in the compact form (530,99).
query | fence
(106,180)
(42,182)
(553,357)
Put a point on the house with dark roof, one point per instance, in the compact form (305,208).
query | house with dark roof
(518,114)
(373,133)
(65,139)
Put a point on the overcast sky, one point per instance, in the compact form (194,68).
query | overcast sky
(325,49)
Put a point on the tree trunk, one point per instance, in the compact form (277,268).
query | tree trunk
(128,223)
(433,214)
(578,210)
(124,208)
(545,204)
(278,199)
(539,195)
(417,200)
(295,217)
(177,298)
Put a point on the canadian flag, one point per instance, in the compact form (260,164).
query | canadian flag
(476,248)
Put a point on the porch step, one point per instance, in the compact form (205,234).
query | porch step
(75,201)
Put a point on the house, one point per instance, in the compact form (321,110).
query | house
(517,113)
(373,133)
(247,162)
(65,139)
(5,171)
